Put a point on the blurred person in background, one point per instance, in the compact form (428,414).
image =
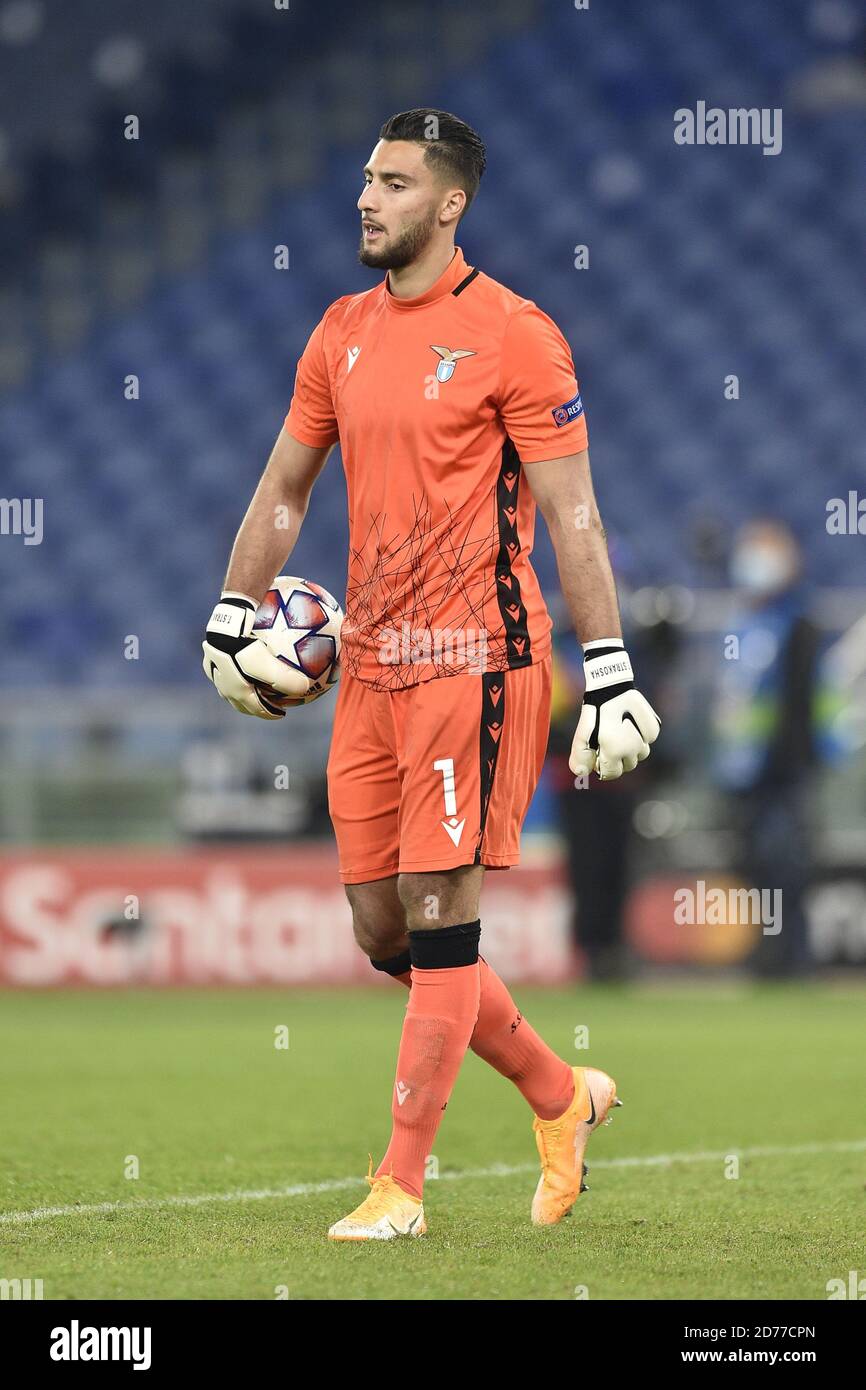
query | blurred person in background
(596,818)
(765,736)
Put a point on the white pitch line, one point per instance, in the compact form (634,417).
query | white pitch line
(497,1170)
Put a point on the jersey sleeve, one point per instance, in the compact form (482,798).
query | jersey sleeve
(311,418)
(539,398)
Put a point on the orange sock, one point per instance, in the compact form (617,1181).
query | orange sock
(503,1038)
(440,1017)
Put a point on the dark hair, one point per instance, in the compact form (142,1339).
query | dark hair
(454,150)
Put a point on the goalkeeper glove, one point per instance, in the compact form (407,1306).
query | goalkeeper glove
(235,659)
(616,724)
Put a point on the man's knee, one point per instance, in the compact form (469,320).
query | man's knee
(445,899)
(378,918)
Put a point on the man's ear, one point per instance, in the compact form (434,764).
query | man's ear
(454,206)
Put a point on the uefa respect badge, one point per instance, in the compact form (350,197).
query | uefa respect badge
(564,414)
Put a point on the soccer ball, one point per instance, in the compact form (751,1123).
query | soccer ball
(300,623)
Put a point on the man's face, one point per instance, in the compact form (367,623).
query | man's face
(399,206)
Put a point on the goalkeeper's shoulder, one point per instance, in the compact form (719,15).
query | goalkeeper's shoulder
(350,308)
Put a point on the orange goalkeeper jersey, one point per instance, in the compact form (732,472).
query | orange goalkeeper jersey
(438,402)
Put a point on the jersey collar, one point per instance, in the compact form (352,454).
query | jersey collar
(454,272)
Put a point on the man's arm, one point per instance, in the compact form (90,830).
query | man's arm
(270,529)
(235,660)
(616,724)
(564,493)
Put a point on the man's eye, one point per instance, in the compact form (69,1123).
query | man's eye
(399,186)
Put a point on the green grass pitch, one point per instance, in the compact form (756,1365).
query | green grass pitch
(246,1152)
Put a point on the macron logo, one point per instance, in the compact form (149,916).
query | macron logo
(454,828)
(402,1091)
(351,358)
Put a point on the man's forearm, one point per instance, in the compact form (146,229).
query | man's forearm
(267,537)
(563,491)
(585,577)
(616,725)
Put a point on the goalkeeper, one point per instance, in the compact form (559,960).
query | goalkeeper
(458,413)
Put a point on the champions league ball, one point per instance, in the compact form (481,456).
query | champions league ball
(300,623)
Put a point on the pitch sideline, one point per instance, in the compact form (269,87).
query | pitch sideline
(497,1170)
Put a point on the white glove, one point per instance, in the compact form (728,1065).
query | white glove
(616,724)
(235,657)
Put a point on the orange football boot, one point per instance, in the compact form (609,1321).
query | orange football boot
(562,1143)
(385,1213)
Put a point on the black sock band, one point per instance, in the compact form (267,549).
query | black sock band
(442,948)
(394,965)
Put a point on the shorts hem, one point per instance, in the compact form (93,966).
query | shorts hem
(488,861)
(368,875)
(421,866)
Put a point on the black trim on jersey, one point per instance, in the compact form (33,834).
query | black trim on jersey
(511,605)
(464,284)
(491,729)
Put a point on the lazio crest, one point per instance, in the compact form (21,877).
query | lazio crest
(445,369)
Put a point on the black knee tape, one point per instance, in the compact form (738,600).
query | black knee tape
(442,948)
(394,965)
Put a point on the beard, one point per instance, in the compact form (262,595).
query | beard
(405,249)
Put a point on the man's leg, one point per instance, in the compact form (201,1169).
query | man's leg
(502,1036)
(499,1035)
(443,931)
(443,928)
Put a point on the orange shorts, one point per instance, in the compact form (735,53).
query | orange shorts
(437,775)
